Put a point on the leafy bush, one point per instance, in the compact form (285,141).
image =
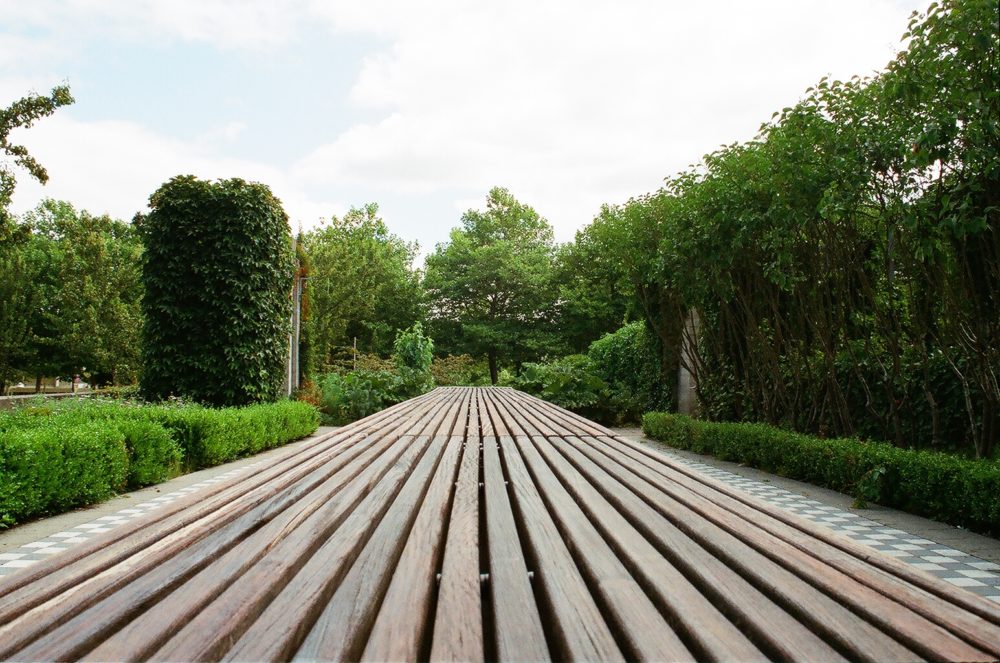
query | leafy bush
(217,272)
(347,398)
(569,382)
(49,469)
(454,370)
(413,353)
(65,454)
(154,456)
(627,360)
(941,486)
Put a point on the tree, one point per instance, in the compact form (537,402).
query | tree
(71,292)
(86,291)
(22,114)
(361,285)
(217,271)
(490,288)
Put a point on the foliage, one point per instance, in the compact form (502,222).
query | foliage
(217,271)
(54,456)
(490,286)
(71,297)
(355,395)
(627,361)
(361,285)
(940,486)
(569,382)
(845,264)
(593,298)
(413,353)
(455,370)
(22,114)
(55,468)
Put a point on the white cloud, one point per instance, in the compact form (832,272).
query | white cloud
(237,24)
(113,166)
(572,105)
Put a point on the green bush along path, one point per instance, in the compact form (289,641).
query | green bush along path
(936,485)
(57,457)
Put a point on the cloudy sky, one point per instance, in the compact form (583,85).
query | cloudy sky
(421,107)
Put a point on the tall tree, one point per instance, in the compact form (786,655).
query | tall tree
(490,287)
(362,285)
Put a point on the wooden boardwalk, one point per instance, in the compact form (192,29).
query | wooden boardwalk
(482,524)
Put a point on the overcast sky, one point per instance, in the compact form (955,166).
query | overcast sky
(421,107)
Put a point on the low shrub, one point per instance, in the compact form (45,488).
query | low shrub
(347,398)
(50,469)
(569,382)
(941,486)
(71,453)
(153,456)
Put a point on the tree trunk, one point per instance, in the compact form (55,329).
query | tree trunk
(492,356)
(38,384)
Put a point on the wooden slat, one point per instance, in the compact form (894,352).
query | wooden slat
(458,624)
(517,624)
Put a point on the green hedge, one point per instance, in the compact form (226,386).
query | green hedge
(948,488)
(55,468)
(56,457)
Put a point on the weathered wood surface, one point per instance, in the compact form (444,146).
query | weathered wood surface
(482,524)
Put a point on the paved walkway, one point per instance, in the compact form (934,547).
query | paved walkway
(961,557)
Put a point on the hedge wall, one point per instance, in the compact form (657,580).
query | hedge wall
(56,458)
(944,487)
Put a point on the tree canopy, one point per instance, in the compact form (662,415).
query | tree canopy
(490,287)
(361,283)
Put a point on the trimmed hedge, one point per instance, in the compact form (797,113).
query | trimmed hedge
(948,488)
(55,468)
(53,458)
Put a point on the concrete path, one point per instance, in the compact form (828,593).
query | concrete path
(34,541)
(961,557)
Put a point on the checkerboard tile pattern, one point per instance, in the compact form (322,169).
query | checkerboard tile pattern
(955,566)
(36,551)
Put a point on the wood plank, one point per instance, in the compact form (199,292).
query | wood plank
(894,568)
(400,627)
(578,627)
(517,631)
(320,545)
(836,624)
(720,588)
(971,627)
(66,571)
(711,634)
(458,624)
(147,631)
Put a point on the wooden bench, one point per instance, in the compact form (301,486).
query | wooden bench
(482,524)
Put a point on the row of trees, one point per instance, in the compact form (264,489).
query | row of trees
(845,264)
(500,289)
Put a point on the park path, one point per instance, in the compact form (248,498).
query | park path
(479,522)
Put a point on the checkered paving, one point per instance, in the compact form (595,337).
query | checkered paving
(36,551)
(958,568)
